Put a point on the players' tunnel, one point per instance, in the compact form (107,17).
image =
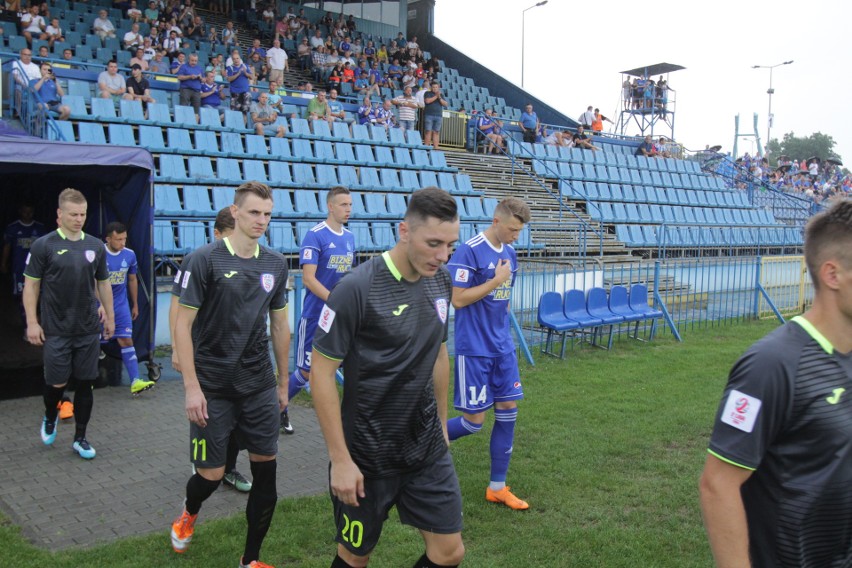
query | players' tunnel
(117,184)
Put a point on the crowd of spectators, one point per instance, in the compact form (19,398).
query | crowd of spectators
(643,93)
(819,180)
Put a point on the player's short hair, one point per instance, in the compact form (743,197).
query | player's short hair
(70,195)
(252,187)
(513,207)
(335,191)
(431,202)
(828,235)
(224,220)
(114,227)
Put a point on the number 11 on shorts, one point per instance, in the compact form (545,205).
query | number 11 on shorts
(199,444)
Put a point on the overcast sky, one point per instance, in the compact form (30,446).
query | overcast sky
(576,51)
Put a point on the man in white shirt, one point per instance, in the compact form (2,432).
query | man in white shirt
(421,93)
(277,59)
(133,39)
(31,70)
(32,26)
(102,27)
(587,118)
(317,41)
(134,14)
(54,32)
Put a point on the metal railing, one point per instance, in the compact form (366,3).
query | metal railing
(30,107)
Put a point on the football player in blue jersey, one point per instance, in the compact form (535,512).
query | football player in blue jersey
(483,271)
(16,246)
(121,263)
(327,253)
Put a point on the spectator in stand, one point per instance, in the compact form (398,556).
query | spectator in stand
(138,88)
(382,54)
(412,44)
(485,124)
(358,50)
(277,62)
(275,97)
(54,32)
(50,92)
(139,59)
(316,41)
(395,71)
(159,64)
(258,67)
(177,62)
(529,124)
(238,75)
(303,52)
(627,94)
(384,115)
(229,35)
(281,29)
(434,105)
(67,55)
(407,105)
(256,48)
(152,13)
(327,20)
(335,78)
(345,45)
(172,45)
(148,50)
(263,116)
(318,108)
(32,25)
(268,14)
(370,53)
(111,84)
(133,39)
(366,114)
(597,123)
(213,36)
(217,65)
(319,68)
(195,30)
(583,140)
(646,148)
(190,75)
(103,27)
(662,150)
(43,52)
(363,87)
(335,108)
(587,118)
(134,14)
(409,80)
(348,72)
(555,138)
(211,93)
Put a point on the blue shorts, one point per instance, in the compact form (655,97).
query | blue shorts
(432,123)
(482,381)
(123,322)
(304,342)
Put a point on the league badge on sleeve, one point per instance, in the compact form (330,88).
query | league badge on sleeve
(441,307)
(267,282)
(307,254)
(326,318)
(90,255)
(741,411)
(462,275)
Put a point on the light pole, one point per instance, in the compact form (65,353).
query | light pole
(523,29)
(769,92)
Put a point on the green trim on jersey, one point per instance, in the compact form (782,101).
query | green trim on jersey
(61,234)
(190,307)
(326,356)
(234,253)
(726,460)
(815,334)
(391,266)
(31,277)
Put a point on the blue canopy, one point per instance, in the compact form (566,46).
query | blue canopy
(116,181)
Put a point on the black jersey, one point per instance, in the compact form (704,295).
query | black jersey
(233,296)
(787,415)
(67,271)
(387,331)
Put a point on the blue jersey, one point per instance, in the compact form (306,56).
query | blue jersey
(119,265)
(20,237)
(482,328)
(333,254)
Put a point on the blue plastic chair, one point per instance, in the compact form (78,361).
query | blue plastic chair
(598,306)
(282,204)
(552,318)
(121,135)
(306,203)
(196,201)
(167,201)
(281,237)
(638,302)
(574,308)
(91,133)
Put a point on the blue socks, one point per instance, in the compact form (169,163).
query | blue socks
(128,355)
(460,426)
(297,383)
(502,440)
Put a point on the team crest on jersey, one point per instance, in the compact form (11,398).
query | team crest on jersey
(90,255)
(267,281)
(441,307)
(27,262)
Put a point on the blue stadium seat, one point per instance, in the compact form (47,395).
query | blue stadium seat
(378,133)
(131,110)
(475,209)
(321,129)
(185,116)
(222,197)
(91,133)
(402,157)
(206,143)
(370,178)
(306,203)
(121,135)
(104,110)
(376,207)
(302,149)
(159,114)
(196,201)
(303,175)
(438,159)
(348,176)
(167,201)
(210,117)
(151,137)
(192,235)
(164,239)
(363,238)
(324,151)
(300,127)
(255,145)
(619,304)
(282,204)
(360,133)
(384,157)
(341,131)
(397,136)
(383,236)
(461,209)
(344,153)
(638,302)
(396,204)
(235,120)
(281,237)
(172,169)
(201,168)
(326,175)
(254,171)
(574,308)
(280,147)
(178,139)
(413,137)
(597,306)
(390,179)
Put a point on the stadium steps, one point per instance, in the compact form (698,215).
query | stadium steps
(492,175)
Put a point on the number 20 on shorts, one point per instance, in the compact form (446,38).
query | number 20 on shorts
(353,531)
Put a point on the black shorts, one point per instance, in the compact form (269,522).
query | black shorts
(64,356)
(254,418)
(428,499)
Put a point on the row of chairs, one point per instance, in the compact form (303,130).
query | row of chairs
(622,174)
(678,214)
(577,311)
(199,201)
(611,156)
(629,193)
(231,145)
(172,169)
(178,238)
(657,236)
